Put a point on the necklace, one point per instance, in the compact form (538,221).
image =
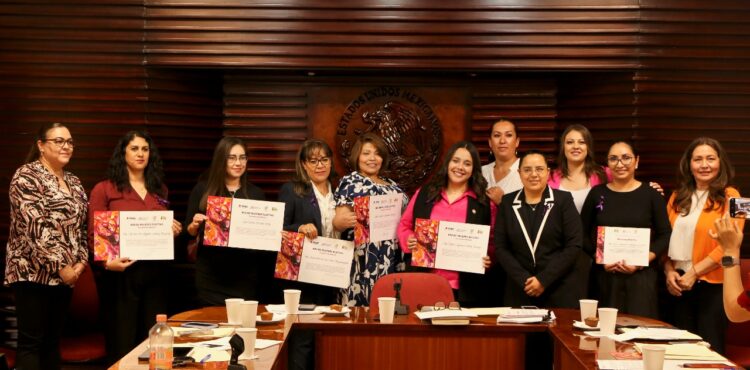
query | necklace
(699,199)
(533,206)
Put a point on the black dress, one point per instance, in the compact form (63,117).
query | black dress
(643,207)
(223,272)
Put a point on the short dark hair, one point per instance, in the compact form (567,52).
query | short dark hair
(379,145)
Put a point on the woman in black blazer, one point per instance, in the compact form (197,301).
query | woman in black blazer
(537,238)
(310,207)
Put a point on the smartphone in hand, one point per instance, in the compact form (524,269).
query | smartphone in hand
(739,207)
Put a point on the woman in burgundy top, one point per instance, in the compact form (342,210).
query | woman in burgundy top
(133,292)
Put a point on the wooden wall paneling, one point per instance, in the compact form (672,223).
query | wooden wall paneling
(272,119)
(184,116)
(603,102)
(529,103)
(76,62)
(510,35)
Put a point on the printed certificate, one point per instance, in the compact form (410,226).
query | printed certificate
(630,244)
(243,223)
(377,217)
(138,235)
(321,261)
(450,245)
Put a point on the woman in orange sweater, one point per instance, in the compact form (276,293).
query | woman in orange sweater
(693,267)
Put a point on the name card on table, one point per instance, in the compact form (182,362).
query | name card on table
(243,223)
(138,235)
(377,217)
(615,244)
(322,261)
(450,245)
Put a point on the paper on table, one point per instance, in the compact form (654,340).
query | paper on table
(205,354)
(197,333)
(638,365)
(655,334)
(686,351)
(279,309)
(265,343)
(524,320)
(463,312)
(489,311)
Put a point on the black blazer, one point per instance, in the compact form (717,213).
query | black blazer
(299,210)
(555,249)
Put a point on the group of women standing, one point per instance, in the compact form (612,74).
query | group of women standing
(540,252)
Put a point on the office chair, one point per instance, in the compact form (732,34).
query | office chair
(86,343)
(417,288)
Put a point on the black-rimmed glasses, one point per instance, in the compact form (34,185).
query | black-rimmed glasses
(60,142)
(450,306)
(325,161)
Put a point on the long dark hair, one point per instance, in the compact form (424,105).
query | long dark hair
(117,172)
(217,173)
(40,135)
(686,182)
(300,180)
(477,182)
(590,167)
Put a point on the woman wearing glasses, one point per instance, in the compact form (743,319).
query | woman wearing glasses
(368,158)
(455,193)
(502,174)
(224,272)
(310,207)
(133,293)
(537,240)
(626,202)
(693,270)
(47,245)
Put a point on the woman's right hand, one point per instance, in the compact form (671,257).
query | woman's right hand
(345,218)
(310,231)
(495,193)
(193,227)
(673,287)
(118,264)
(411,242)
(68,275)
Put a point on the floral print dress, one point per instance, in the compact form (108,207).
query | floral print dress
(371,260)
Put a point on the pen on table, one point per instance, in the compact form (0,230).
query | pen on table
(205,358)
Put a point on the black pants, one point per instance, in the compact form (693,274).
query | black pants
(130,301)
(701,311)
(41,311)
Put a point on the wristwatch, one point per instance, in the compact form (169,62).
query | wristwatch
(729,261)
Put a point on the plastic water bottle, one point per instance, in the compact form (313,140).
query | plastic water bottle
(160,342)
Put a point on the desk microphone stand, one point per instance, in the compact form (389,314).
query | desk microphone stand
(400,308)
(238,346)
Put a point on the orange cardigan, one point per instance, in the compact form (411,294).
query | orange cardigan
(703,244)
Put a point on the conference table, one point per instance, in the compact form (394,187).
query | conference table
(361,342)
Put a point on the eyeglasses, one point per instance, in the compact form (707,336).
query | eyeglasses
(441,306)
(626,159)
(233,158)
(529,170)
(325,161)
(60,142)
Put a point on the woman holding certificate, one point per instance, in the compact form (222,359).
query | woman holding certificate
(456,193)
(537,240)
(310,207)
(371,259)
(224,272)
(502,174)
(625,205)
(693,268)
(46,249)
(132,293)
